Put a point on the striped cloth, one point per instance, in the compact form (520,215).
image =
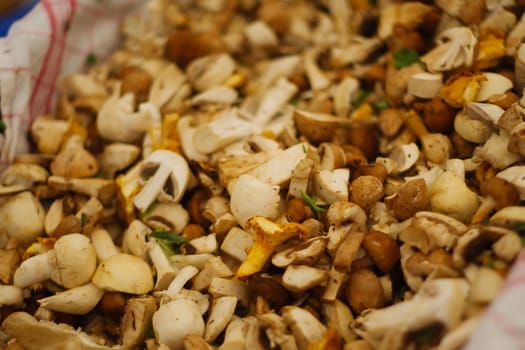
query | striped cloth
(56,38)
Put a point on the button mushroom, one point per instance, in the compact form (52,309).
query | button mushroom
(70,263)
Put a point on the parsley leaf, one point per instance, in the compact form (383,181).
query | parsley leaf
(405,57)
(381,104)
(2,126)
(149,209)
(363,94)
(171,237)
(82,220)
(91,59)
(311,203)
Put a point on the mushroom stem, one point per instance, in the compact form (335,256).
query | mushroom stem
(152,188)
(104,246)
(11,295)
(414,122)
(33,270)
(76,301)
(234,336)
(165,271)
(483,210)
(185,274)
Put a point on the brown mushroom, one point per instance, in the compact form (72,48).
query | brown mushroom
(499,194)
(364,291)
(366,191)
(383,250)
(412,197)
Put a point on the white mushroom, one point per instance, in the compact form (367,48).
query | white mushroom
(76,85)
(103,244)
(214,267)
(117,121)
(404,157)
(209,71)
(166,176)
(494,85)
(74,160)
(234,338)
(305,327)
(332,186)
(165,272)
(22,217)
(70,263)
(344,94)
(221,312)
(134,239)
(124,273)
(250,197)
(11,295)
(175,320)
(440,301)
(236,243)
(136,321)
(495,151)
(472,129)
(425,85)
(116,157)
(76,301)
(186,131)
(450,195)
(455,48)
(167,216)
(48,133)
(273,100)
(299,278)
(516,176)
(167,84)
(260,35)
(33,334)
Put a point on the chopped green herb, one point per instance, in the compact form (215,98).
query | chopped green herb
(149,209)
(2,126)
(363,94)
(520,228)
(294,101)
(82,220)
(171,237)
(91,59)
(311,203)
(166,247)
(304,149)
(405,57)
(381,104)
(489,264)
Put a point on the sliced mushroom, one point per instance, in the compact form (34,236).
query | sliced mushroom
(74,160)
(117,157)
(166,176)
(76,301)
(305,327)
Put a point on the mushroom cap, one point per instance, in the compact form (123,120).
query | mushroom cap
(22,217)
(175,320)
(73,260)
(502,192)
(124,273)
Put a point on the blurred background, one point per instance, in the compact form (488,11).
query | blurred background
(11,10)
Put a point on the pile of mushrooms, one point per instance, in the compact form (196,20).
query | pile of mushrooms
(273,174)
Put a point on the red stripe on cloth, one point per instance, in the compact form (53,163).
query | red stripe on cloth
(42,94)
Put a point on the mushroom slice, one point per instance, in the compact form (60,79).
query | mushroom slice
(116,157)
(78,85)
(317,127)
(136,321)
(278,169)
(48,133)
(102,189)
(74,161)
(250,197)
(222,310)
(225,128)
(474,241)
(332,186)
(493,85)
(486,285)
(305,253)
(166,85)
(428,231)
(124,273)
(516,176)
(404,157)
(236,243)
(425,85)
(166,176)
(24,175)
(305,327)
(487,112)
(167,216)
(117,121)
(46,335)
(440,301)
(508,217)
(339,316)
(209,71)
(455,48)
(299,278)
